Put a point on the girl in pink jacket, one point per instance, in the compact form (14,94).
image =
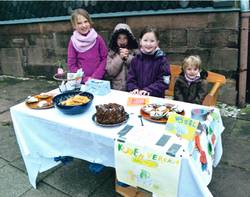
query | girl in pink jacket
(86,49)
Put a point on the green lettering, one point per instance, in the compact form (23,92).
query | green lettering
(120,147)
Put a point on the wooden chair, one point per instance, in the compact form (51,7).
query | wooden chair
(131,192)
(217,80)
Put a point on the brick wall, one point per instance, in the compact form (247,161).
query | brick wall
(32,49)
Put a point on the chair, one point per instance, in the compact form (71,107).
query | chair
(217,80)
(131,191)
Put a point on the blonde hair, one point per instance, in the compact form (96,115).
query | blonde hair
(192,60)
(81,12)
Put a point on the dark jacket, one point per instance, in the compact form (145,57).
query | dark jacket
(193,93)
(146,72)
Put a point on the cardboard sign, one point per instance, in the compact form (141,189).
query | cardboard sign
(149,167)
(182,126)
(134,101)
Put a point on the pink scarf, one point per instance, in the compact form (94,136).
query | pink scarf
(83,43)
(190,80)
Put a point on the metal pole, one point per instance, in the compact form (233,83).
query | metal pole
(243,52)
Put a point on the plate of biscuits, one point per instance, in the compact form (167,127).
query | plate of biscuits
(160,112)
(40,101)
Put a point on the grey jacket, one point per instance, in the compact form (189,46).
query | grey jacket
(116,68)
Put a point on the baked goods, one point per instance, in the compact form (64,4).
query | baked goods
(43,103)
(111,113)
(32,99)
(159,111)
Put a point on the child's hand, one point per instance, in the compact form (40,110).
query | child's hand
(144,93)
(124,53)
(135,91)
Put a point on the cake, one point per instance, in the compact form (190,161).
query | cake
(111,113)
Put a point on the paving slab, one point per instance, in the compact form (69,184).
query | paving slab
(3,163)
(107,189)
(19,164)
(13,182)
(5,117)
(76,180)
(5,105)
(9,149)
(242,129)
(230,182)
(44,190)
(236,152)
(5,132)
(229,124)
(26,88)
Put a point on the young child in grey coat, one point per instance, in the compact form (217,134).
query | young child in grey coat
(122,49)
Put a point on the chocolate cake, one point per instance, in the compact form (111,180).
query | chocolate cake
(111,113)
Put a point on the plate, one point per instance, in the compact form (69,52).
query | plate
(161,120)
(110,125)
(35,105)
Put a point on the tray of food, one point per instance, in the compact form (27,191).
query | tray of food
(160,112)
(40,101)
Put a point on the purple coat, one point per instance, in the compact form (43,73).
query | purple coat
(146,73)
(92,61)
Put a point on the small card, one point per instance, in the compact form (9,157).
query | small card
(174,148)
(134,101)
(125,130)
(163,140)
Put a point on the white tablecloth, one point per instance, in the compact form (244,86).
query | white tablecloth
(45,134)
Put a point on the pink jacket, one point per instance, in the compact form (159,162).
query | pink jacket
(92,61)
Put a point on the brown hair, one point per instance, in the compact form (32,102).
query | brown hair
(149,29)
(81,12)
(192,60)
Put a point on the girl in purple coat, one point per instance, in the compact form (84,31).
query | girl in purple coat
(149,70)
(86,49)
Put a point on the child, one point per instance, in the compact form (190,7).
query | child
(122,45)
(191,85)
(86,49)
(149,68)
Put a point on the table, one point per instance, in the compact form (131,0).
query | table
(43,135)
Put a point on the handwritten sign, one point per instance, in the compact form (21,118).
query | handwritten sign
(182,126)
(134,101)
(147,168)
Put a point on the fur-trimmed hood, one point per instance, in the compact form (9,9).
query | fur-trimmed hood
(122,28)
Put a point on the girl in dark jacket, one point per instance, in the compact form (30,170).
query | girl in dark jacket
(149,70)
(191,86)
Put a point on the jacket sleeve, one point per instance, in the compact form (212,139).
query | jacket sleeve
(202,91)
(72,60)
(132,82)
(178,91)
(114,64)
(158,87)
(103,52)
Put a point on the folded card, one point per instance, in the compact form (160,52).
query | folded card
(97,87)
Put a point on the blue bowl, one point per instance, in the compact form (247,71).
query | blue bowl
(72,110)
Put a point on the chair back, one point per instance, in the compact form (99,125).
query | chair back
(216,79)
